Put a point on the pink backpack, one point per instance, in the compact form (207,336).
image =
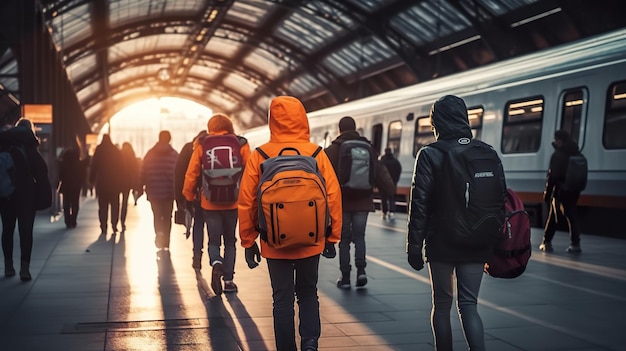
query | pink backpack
(511,255)
(222,167)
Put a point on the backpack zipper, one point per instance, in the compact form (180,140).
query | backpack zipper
(467,195)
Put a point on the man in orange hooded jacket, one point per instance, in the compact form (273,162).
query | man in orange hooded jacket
(220,218)
(289,127)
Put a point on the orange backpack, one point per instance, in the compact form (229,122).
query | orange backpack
(293,205)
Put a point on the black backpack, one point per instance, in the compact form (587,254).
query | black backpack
(470,193)
(576,174)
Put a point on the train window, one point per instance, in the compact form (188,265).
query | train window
(521,129)
(475,115)
(615,117)
(423,134)
(572,112)
(393,137)
(377,137)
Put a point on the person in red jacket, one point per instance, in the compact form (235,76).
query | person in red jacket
(292,271)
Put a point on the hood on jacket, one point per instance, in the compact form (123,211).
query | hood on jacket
(449,117)
(19,136)
(288,121)
(219,123)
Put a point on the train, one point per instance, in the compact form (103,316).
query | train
(515,105)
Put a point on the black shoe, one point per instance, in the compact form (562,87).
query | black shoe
(216,277)
(546,247)
(309,345)
(9,271)
(574,249)
(361,280)
(343,282)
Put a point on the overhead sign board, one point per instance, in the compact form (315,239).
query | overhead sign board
(37,113)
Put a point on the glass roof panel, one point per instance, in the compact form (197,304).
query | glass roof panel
(240,84)
(72,26)
(183,5)
(368,5)
(125,11)
(222,100)
(81,67)
(500,7)
(93,110)
(124,50)
(309,32)
(137,71)
(349,59)
(209,73)
(303,84)
(250,13)
(88,91)
(222,46)
(428,21)
(265,62)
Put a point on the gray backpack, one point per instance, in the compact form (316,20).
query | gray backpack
(356,165)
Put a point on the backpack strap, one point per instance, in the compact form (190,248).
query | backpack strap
(266,156)
(319,148)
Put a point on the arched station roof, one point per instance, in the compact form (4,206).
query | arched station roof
(234,56)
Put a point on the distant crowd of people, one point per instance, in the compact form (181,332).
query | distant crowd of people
(219,182)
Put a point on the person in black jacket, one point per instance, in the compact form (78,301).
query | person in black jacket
(388,200)
(105,175)
(32,192)
(197,231)
(72,175)
(445,261)
(561,200)
(356,205)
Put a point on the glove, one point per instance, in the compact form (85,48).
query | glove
(329,250)
(253,256)
(189,206)
(416,261)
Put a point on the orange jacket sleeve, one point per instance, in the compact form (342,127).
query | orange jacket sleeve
(247,206)
(333,191)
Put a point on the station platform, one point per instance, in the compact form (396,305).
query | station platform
(113,292)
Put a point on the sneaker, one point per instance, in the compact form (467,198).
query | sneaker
(216,277)
(309,345)
(361,280)
(391,216)
(574,249)
(343,283)
(230,286)
(546,247)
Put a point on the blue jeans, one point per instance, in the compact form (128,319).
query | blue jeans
(387,202)
(197,233)
(468,279)
(352,231)
(284,289)
(221,224)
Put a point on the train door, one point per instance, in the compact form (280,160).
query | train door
(573,114)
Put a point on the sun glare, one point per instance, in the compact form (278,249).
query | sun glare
(140,123)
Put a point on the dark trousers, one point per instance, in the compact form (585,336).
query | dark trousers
(567,207)
(352,231)
(25,220)
(197,233)
(162,210)
(108,200)
(387,202)
(285,288)
(71,200)
(124,207)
